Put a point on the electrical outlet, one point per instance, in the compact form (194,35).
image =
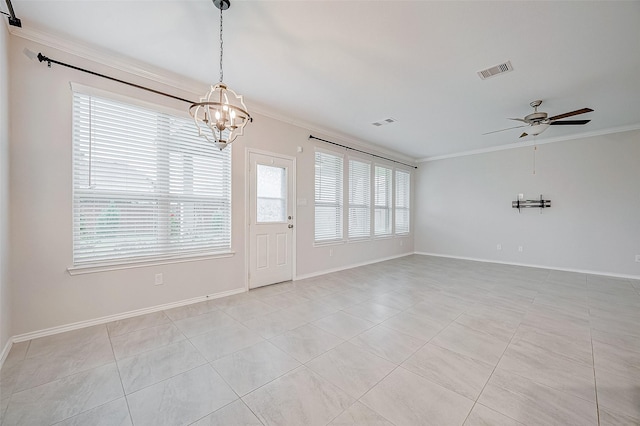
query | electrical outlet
(159,279)
(499,247)
(638,258)
(330,252)
(520,248)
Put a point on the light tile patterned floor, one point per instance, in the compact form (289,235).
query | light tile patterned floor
(413,341)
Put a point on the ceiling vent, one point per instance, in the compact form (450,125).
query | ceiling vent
(384,122)
(495,70)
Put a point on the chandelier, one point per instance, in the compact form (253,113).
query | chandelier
(221,114)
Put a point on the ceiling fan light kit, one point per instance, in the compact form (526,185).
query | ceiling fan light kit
(538,128)
(221,115)
(539,121)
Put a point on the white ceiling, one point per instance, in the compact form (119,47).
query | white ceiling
(342,65)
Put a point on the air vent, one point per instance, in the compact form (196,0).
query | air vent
(498,69)
(384,122)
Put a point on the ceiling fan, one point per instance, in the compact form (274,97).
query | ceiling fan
(538,122)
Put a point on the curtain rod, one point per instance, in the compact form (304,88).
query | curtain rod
(50,61)
(364,152)
(13,19)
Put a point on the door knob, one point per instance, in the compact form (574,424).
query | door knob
(290,226)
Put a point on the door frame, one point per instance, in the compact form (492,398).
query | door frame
(247,210)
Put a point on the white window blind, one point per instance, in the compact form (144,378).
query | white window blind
(359,199)
(328,196)
(403,181)
(145,185)
(382,209)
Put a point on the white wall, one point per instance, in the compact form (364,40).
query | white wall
(593,183)
(44,294)
(5,305)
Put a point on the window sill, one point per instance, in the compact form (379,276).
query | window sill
(358,240)
(328,243)
(115,266)
(383,237)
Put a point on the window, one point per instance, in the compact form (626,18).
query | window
(328,197)
(382,210)
(271,200)
(403,180)
(145,185)
(389,208)
(359,199)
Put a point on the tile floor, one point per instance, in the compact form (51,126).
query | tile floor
(413,341)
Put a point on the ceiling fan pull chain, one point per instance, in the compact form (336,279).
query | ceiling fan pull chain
(535,148)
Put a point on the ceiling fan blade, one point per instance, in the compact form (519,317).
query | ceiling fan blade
(523,135)
(571,114)
(518,119)
(569,122)
(502,130)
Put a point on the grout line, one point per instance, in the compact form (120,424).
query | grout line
(394,275)
(124,393)
(376,355)
(26,352)
(498,363)
(253,412)
(593,360)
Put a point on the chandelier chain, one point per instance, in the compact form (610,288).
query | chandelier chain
(221,48)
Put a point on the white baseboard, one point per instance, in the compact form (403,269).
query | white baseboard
(554,268)
(116,317)
(350,266)
(125,315)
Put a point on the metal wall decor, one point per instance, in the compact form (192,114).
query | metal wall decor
(531,204)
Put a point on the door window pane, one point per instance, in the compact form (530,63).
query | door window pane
(271,200)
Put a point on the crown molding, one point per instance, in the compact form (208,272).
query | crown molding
(110,59)
(149,72)
(534,142)
(330,134)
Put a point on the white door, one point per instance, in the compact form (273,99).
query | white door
(270,219)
